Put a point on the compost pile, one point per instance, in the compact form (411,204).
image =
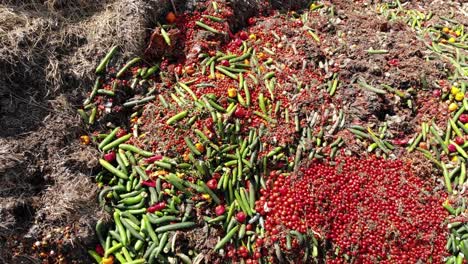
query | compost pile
(280,136)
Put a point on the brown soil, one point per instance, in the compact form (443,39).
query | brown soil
(48,52)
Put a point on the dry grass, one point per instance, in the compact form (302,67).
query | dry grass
(48,52)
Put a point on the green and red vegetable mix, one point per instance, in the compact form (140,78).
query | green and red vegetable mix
(234,154)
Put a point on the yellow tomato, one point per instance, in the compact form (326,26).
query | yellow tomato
(85,140)
(199,146)
(452,107)
(108,260)
(454,90)
(459,96)
(232,92)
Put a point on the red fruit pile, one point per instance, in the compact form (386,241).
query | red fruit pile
(371,210)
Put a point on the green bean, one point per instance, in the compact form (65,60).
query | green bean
(177,117)
(415,142)
(333,87)
(261,103)
(127,66)
(213,18)
(112,169)
(102,66)
(226,239)
(455,128)
(216,219)
(205,26)
(210,192)
(95,256)
(99,231)
(241,231)
(83,115)
(448,183)
(136,150)
(97,85)
(163,219)
(141,172)
(226,72)
(126,254)
(120,228)
(245,201)
(461,179)
(139,101)
(244,56)
(244,207)
(439,139)
(191,146)
(184,258)
(133,229)
(137,261)
(371,88)
(371,51)
(105,92)
(269,75)
(459,149)
(162,243)
(116,142)
(274,152)
(134,200)
(163,165)
(165,36)
(172,227)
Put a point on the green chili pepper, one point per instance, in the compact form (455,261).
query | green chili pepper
(112,169)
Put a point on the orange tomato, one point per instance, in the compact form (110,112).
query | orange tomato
(171,17)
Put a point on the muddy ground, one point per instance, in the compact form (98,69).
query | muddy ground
(48,52)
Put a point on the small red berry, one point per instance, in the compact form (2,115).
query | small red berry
(241,217)
(463,118)
(240,112)
(212,184)
(225,63)
(220,210)
(178,69)
(121,133)
(251,21)
(452,148)
(394,62)
(459,140)
(243,35)
(436,93)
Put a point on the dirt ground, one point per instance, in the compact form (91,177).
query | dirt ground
(48,52)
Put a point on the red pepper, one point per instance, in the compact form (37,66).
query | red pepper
(110,157)
(99,250)
(149,183)
(154,158)
(394,62)
(156,207)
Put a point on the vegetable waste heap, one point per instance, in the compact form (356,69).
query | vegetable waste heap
(238,149)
